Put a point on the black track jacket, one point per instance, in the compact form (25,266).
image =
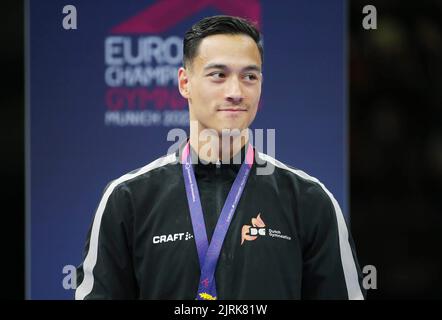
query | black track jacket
(141,245)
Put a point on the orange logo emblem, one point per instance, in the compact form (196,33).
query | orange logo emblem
(250,233)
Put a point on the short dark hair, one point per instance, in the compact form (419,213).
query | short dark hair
(218,25)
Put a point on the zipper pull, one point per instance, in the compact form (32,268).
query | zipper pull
(217,167)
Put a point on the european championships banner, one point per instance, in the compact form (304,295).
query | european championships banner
(102,96)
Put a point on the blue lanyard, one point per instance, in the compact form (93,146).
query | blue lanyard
(209,254)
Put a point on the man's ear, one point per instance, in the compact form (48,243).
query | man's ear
(183,82)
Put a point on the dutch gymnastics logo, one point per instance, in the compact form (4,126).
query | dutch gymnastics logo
(257,229)
(142,56)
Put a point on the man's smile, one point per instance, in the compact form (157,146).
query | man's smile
(232,109)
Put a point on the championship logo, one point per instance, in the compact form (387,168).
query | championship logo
(142,56)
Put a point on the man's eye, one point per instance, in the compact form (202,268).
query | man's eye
(250,77)
(217,75)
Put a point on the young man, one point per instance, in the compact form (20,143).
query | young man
(194,224)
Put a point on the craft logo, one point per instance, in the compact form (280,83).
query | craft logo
(142,60)
(258,228)
(172,237)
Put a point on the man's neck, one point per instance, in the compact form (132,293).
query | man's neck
(217,148)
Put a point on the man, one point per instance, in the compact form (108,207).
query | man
(196,225)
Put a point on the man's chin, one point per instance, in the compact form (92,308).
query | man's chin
(231,130)
(226,129)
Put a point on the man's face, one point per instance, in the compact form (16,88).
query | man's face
(223,82)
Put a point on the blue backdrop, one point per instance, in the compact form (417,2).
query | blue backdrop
(101,99)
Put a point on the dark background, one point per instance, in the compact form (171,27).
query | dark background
(395,100)
(396,145)
(12,153)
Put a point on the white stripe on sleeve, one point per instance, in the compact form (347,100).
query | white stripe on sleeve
(348,263)
(87,284)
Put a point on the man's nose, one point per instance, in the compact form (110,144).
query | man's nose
(233,91)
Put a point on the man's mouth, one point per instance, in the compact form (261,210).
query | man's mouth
(233,109)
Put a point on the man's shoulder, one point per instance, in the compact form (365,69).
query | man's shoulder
(311,194)
(157,169)
(285,169)
(306,184)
